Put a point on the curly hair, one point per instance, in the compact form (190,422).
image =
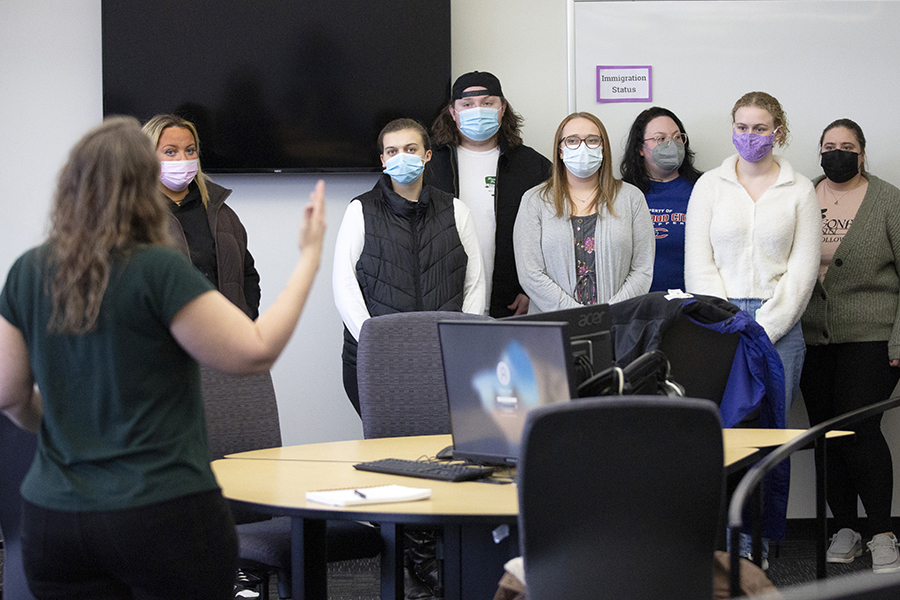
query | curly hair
(769,104)
(445,132)
(107,200)
(555,190)
(633,166)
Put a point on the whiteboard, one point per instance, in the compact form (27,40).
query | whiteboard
(823,60)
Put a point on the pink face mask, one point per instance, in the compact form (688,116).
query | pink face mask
(178,174)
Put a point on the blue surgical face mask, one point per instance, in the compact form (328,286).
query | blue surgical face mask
(583,161)
(404,168)
(479,123)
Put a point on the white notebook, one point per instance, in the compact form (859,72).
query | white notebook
(369,495)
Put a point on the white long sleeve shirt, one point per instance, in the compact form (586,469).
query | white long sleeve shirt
(768,249)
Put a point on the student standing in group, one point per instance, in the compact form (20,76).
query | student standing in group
(753,237)
(659,161)
(403,246)
(203,227)
(583,237)
(479,157)
(753,233)
(102,328)
(852,332)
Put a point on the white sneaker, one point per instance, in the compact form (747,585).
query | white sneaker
(846,545)
(885,558)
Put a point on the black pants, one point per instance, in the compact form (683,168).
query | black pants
(348,362)
(184,548)
(839,378)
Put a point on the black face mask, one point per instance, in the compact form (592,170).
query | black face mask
(840,165)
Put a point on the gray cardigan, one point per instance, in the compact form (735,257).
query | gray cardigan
(545,251)
(859,301)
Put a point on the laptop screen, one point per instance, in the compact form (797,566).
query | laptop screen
(496,371)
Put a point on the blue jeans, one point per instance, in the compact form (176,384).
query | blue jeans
(791,349)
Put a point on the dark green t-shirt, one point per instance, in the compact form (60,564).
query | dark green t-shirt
(123,421)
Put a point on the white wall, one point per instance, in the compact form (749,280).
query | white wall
(50,69)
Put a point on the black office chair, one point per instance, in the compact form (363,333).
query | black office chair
(619,497)
(17,448)
(242,415)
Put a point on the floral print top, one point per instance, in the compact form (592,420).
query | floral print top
(585,261)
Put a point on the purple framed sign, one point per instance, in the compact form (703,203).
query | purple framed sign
(625,84)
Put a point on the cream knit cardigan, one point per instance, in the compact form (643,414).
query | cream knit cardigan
(768,249)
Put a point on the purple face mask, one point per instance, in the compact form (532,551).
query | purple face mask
(752,146)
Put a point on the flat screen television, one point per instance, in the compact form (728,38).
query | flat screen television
(280,85)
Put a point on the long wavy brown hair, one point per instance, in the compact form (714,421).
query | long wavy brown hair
(555,190)
(107,201)
(445,131)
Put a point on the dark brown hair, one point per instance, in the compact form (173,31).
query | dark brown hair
(853,128)
(400,125)
(445,131)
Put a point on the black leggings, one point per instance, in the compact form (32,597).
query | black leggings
(184,548)
(839,378)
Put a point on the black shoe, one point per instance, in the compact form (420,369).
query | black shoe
(245,586)
(414,588)
(421,558)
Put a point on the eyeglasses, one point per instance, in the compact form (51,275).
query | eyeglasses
(680,138)
(573,141)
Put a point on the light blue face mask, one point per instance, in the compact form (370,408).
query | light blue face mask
(404,168)
(479,123)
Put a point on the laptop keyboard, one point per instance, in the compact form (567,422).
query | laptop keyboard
(426,470)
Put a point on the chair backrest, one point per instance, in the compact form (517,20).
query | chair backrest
(241,412)
(17,448)
(619,497)
(401,378)
(700,359)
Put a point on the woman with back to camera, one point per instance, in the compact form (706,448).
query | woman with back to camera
(659,161)
(102,328)
(202,226)
(583,237)
(852,332)
(403,246)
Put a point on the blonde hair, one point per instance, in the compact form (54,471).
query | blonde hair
(769,104)
(556,189)
(153,130)
(106,202)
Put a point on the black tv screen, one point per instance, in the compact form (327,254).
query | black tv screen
(279,85)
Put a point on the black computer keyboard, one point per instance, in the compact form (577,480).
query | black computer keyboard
(426,470)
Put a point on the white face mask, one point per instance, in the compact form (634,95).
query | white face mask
(583,161)
(178,174)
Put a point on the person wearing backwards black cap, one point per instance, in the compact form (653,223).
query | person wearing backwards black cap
(479,157)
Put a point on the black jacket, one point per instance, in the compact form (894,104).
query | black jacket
(518,170)
(238,278)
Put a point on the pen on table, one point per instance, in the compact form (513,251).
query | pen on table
(359,493)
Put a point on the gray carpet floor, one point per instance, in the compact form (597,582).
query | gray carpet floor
(792,563)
